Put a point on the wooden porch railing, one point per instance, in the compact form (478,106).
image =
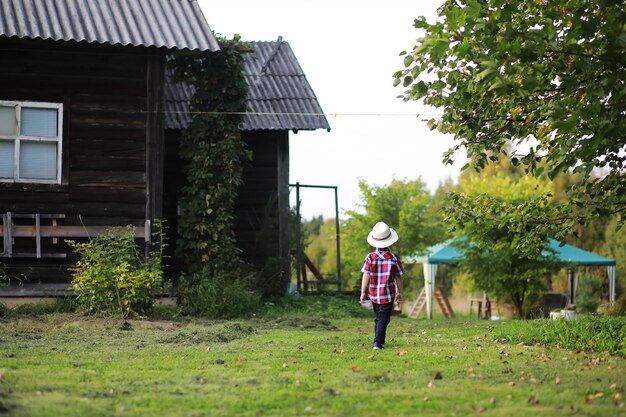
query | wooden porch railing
(51,230)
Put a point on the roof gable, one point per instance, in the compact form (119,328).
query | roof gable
(279,96)
(171,24)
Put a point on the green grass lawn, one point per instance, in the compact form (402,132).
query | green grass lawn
(301,361)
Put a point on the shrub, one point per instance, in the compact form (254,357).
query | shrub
(590,333)
(112,277)
(619,307)
(214,295)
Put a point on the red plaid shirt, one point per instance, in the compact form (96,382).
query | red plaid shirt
(382,266)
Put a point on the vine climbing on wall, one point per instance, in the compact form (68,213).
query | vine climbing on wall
(213,153)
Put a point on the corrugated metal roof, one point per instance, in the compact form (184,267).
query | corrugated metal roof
(279,96)
(172,24)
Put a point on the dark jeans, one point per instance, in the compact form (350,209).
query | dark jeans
(382,317)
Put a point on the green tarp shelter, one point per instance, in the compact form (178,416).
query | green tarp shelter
(448,253)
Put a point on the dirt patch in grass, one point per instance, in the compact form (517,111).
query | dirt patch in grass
(218,334)
(308,323)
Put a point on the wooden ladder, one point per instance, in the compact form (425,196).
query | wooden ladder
(440,297)
(419,304)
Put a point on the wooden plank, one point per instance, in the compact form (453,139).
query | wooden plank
(84,209)
(155,139)
(9,235)
(39,255)
(83,162)
(38,234)
(27,194)
(109,194)
(66,231)
(37,216)
(108,178)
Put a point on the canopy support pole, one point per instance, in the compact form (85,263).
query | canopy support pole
(610,270)
(572,283)
(430,271)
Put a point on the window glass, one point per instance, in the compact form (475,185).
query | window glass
(8,121)
(39,122)
(38,160)
(6,159)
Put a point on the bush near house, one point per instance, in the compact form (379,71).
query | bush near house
(112,277)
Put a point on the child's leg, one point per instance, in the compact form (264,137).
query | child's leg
(382,318)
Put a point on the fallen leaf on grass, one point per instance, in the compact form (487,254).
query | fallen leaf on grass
(557,380)
(532,400)
(402,353)
(478,409)
(617,387)
(356,369)
(371,357)
(431,385)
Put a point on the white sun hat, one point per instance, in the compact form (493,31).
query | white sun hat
(382,236)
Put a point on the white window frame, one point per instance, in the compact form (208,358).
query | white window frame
(18,138)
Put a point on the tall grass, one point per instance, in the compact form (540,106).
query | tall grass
(588,333)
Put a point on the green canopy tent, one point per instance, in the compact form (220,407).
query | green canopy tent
(448,253)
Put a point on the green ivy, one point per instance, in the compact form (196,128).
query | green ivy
(212,152)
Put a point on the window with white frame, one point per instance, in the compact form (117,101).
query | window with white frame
(30,142)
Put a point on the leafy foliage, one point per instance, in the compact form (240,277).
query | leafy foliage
(112,277)
(505,244)
(322,249)
(316,306)
(545,75)
(212,150)
(207,294)
(403,205)
(597,334)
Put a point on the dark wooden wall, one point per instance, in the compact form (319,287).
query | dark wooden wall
(111,140)
(262,206)
(261,201)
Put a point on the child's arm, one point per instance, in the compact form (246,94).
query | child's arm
(399,285)
(365,283)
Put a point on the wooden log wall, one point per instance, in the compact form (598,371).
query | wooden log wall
(262,206)
(107,137)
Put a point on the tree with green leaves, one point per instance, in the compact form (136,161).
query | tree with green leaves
(501,256)
(548,77)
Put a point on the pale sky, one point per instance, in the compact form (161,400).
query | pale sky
(349,51)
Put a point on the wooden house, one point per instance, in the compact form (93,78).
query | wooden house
(81,122)
(280,101)
(89,127)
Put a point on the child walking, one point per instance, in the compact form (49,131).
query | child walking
(382,273)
